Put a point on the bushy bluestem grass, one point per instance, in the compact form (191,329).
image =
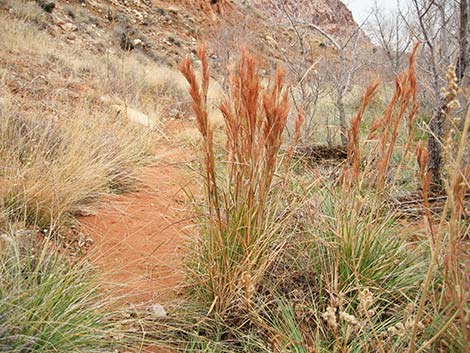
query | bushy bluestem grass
(241,228)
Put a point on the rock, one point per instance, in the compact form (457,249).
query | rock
(137,43)
(157,310)
(173,10)
(160,11)
(70,13)
(270,40)
(70,27)
(175,114)
(81,239)
(138,14)
(174,41)
(135,116)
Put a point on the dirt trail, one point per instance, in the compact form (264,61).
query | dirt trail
(139,237)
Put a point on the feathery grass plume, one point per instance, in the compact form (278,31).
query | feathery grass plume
(199,105)
(384,128)
(403,104)
(241,234)
(354,156)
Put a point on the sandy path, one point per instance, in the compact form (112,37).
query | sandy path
(139,237)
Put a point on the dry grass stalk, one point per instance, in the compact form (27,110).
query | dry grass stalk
(405,98)
(448,233)
(199,104)
(241,236)
(385,128)
(354,155)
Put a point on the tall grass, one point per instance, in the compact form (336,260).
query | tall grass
(447,240)
(53,168)
(367,272)
(242,231)
(384,133)
(367,284)
(439,306)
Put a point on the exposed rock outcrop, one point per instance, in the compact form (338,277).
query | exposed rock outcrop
(331,15)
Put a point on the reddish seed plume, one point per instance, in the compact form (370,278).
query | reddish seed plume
(353,157)
(403,101)
(385,128)
(198,94)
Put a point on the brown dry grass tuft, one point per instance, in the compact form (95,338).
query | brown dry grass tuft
(54,168)
(239,238)
(62,148)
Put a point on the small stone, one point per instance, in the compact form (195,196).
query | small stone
(157,310)
(81,240)
(138,43)
(173,10)
(70,27)
(138,14)
(160,11)
(174,41)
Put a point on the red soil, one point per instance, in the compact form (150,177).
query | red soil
(139,237)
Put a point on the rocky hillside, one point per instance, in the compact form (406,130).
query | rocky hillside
(166,31)
(332,15)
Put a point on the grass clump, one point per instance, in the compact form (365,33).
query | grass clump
(48,304)
(242,231)
(368,273)
(54,168)
(334,268)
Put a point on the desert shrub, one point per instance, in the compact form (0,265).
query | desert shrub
(29,11)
